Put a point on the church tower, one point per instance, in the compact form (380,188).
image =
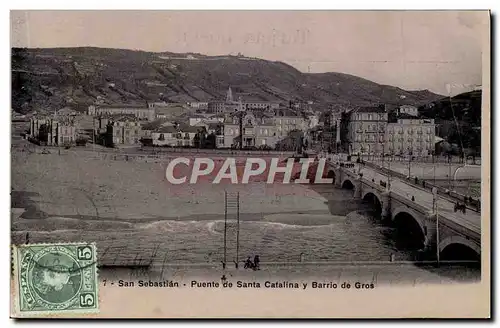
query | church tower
(229,95)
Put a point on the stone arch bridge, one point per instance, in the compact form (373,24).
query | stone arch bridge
(411,210)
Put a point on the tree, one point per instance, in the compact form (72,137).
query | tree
(81,141)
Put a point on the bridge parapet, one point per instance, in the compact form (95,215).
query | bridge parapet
(452,230)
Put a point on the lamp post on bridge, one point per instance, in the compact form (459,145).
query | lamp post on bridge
(409,163)
(389,174)
(435,208)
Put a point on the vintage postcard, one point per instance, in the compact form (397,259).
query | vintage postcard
(250,164)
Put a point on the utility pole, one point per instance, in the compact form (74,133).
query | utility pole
(225,229)
(93,134)
(449,175)
(389,176)
(409,165)
(237,228)
(241,129)
(435,206)
(383,154)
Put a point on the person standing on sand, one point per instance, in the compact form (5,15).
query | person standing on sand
(256,262)
(248,263)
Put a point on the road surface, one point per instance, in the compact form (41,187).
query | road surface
(470,220)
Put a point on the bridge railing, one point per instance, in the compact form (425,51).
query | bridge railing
(474,204)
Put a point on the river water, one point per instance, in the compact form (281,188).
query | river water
(348,232)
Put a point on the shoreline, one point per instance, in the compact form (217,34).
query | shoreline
(306,219)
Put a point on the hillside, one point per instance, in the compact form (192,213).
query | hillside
(44,79)
(458,119)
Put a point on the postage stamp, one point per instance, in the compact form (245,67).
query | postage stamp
(56,278)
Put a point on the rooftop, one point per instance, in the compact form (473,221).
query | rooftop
(166,129)
(407,116)
(371,109)
(286,112)
(182,127)
(122,118)
(214,125)
(137,106)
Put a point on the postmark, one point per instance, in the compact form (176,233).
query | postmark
(56,278)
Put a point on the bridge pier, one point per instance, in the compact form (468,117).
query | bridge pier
(386,205)
(338,177)
(430,232)
(357,188)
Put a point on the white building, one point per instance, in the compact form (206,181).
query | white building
(411,137)
(408,110)
(367,128)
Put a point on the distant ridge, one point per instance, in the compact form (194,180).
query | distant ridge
(44,79)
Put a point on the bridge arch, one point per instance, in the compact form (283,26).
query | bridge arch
(410,231)
(373,199)
(459,248)
(347,184)
(331,175)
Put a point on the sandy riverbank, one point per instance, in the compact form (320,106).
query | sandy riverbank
(73,185)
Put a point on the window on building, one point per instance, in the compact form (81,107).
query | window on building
(370,117)
(162,137)
(263,141)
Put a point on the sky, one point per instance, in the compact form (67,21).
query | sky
(439,51)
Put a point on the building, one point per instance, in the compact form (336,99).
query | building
(216,107)
(204,119)
(178,135)
(287,120)
(270,105)
(198,105)
(53,131)
(166,136)
(366,130)
(411,136)
(370,133)
(258,130)
(230,105)
(408,110)
(122,130)
(147,112)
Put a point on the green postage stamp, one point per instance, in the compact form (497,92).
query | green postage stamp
(55,278)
